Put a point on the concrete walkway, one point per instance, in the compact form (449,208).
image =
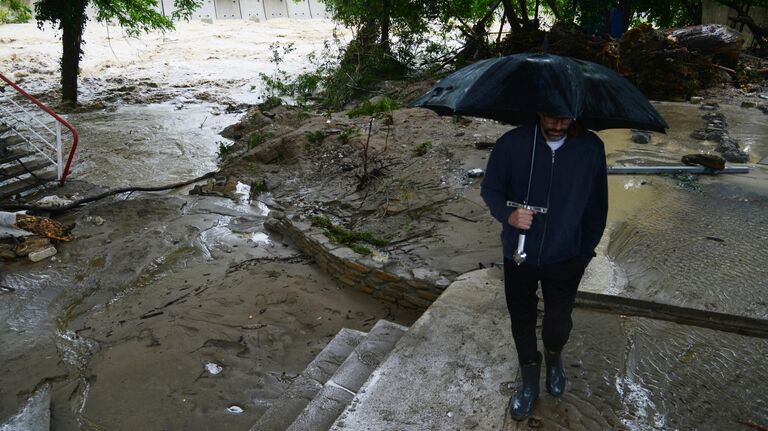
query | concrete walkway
(455,369)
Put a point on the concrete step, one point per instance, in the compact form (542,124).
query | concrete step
(19,167)
(10,189)
(306,386)
(9,141)
(445,373)
(11,154)
(339,390)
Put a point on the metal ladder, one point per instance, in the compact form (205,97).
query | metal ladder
(31,137)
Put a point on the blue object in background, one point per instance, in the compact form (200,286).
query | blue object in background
(616,23)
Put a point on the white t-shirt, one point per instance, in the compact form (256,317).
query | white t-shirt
(556,144)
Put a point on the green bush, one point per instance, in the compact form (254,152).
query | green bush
(8,16)
(384,105)
(225,150)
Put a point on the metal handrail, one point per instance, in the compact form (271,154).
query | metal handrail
(62,121)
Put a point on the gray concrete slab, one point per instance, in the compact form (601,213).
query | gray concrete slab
(368,355)
(323,410)
(456,369)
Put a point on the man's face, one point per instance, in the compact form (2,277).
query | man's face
(554,128)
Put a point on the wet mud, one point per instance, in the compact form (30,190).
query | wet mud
(157,291)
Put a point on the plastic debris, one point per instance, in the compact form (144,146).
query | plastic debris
(37,256)
(234,409)
(213,368)
(475,173)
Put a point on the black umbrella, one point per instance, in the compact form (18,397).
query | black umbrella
(513,88)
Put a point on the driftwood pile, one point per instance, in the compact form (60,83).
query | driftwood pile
(664,64)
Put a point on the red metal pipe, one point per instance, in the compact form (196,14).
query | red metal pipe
(65,172)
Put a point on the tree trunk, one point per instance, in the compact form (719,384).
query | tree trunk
(554,9)
(524,14)
(385,22)
(509,12)
(72,38)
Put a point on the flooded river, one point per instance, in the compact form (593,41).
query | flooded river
(182,308)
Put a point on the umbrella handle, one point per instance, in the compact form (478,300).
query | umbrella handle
(520,255)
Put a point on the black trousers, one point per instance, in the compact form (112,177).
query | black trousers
(559,282)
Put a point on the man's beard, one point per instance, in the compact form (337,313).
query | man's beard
(555,133)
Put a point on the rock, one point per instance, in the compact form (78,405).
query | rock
(475,173)
(425,274)
(31,244)
(53,201)
(696,100)
(748,104)
(6,251)
(736,156)
(641,136)
(484,145)
(97,220)
(763,107)
(45,253)
(711,161)
(714,117)
(699,134)
(727,144)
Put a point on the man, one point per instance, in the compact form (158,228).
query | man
(568,178)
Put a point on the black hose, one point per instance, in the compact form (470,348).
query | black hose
(57,210)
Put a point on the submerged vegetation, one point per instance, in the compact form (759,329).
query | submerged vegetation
(348,237)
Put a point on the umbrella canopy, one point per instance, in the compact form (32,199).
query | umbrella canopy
(514,88)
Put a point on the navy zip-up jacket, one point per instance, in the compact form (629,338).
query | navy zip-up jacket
(570,182)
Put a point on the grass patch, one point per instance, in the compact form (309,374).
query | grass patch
(316,137)
(348,237)
(347,134)
(225,150)
(258,187)
(256,139)
(368,108)
(422,148)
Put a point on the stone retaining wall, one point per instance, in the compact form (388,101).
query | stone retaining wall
(416,288)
